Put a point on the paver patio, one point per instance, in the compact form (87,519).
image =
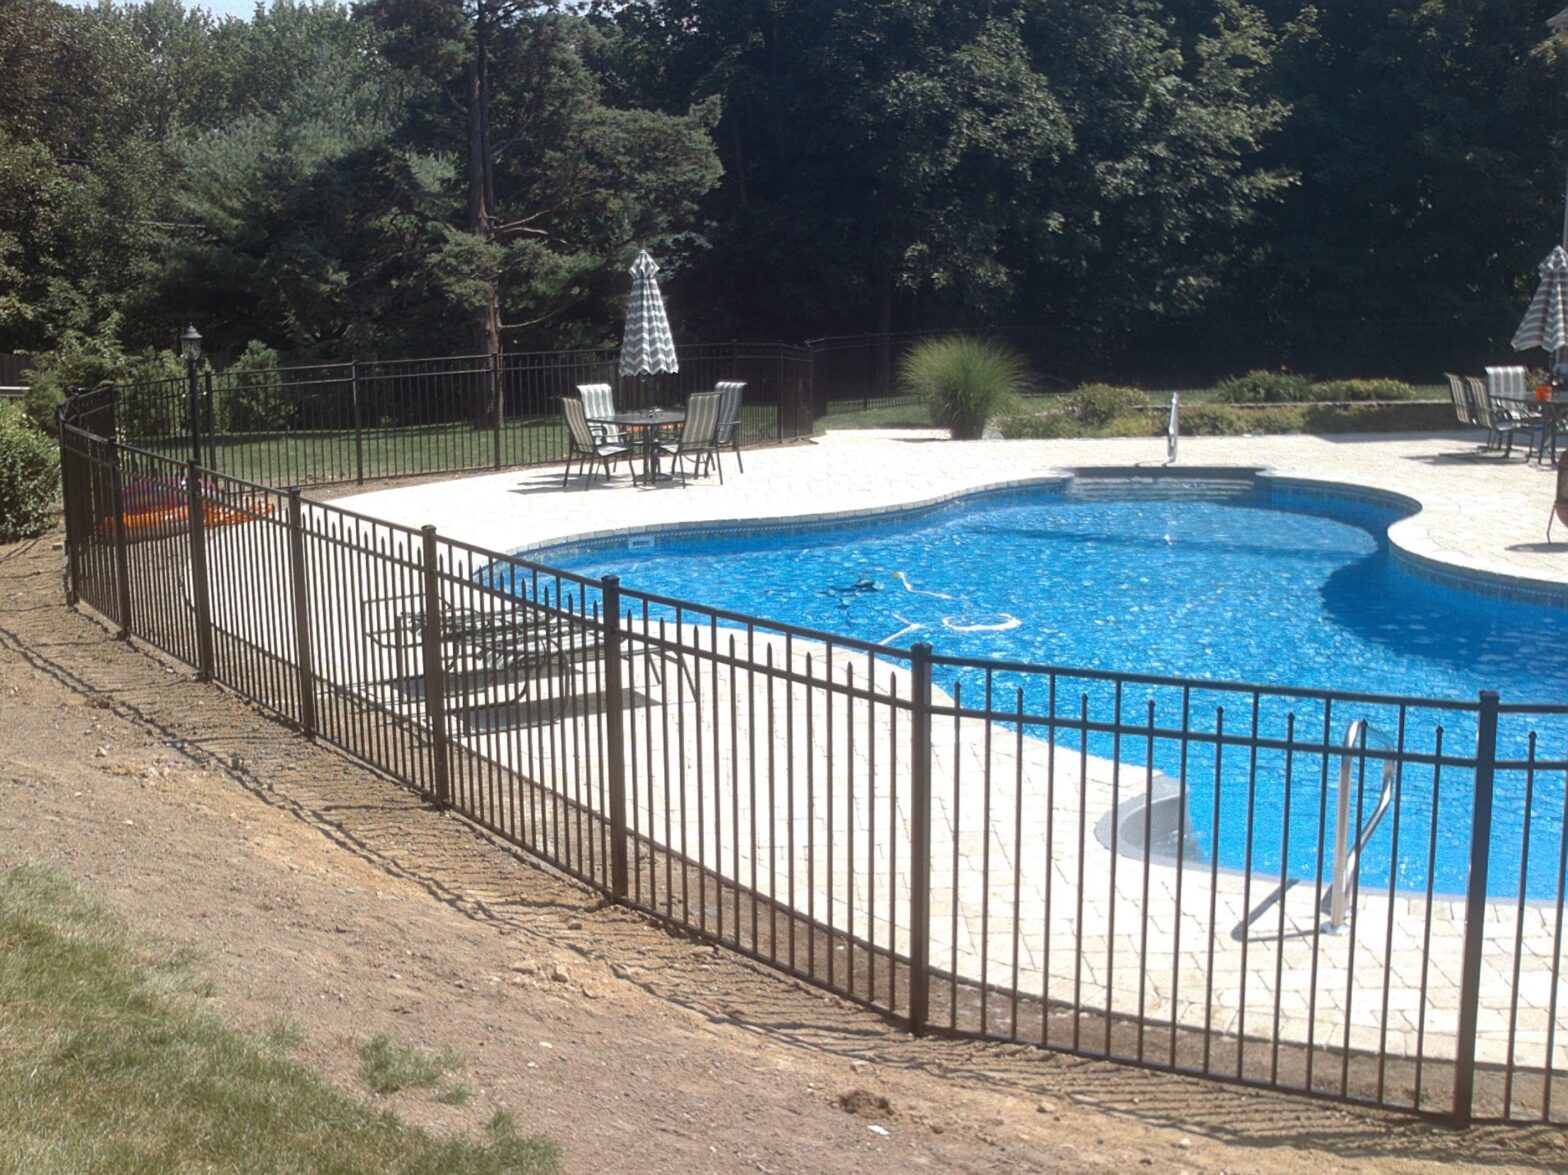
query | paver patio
(1106,941)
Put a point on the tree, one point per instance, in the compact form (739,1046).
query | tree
(317,230)
(557,185)
(971,163)
(79,171)
(1171,120)
(1430,145)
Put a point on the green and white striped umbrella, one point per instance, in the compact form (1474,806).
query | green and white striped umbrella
(646,347)
(1546,322)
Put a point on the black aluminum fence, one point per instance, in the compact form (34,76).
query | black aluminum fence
(1352,896)
(366,420)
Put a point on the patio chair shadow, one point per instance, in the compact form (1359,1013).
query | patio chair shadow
(551,484)
(524,712)
(1478,457)
(1460,437)
(1560,547)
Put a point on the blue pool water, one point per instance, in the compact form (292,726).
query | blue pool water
(1275,587)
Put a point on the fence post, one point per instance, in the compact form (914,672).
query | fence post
(434,674)
(69,498)
(210,412)
(302,649)
(920,840)
(615,734)
(201,600)
(193,407)
(122,559)
(359,423)
(1475,909)
(497,409)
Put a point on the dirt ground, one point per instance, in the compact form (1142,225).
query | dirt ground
(314,890)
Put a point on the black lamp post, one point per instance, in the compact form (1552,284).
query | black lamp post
(190,351)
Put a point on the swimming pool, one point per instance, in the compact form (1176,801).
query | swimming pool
(1251,582)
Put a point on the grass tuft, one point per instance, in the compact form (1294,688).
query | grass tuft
(109,1063)
(388,1066)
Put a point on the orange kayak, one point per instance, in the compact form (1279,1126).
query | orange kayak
(162,521)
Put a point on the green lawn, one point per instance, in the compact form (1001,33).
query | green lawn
(108,1063)
(906,412)
(305,457)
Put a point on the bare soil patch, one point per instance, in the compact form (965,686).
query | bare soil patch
(317,892)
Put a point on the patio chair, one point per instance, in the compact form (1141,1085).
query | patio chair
(598,403)
(729,419)
(1485,418)
(1512,404)
(1464,408)
(698,441)
(584,446)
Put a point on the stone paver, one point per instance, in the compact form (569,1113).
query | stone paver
(696,784)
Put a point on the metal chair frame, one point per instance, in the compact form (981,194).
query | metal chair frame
(698,442)
(599,402)
(584,446)
(728,434)
(1512,407)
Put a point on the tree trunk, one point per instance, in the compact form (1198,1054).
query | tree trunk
(486,324)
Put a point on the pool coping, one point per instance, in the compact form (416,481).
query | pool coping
(1431,567)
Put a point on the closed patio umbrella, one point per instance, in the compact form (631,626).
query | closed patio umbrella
(646,347)
(1546,322)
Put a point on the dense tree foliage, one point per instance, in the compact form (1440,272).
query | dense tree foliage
(1206,184)
(1429,144)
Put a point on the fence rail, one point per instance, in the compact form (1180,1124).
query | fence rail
(366,420)
(369,419)
(1115,865)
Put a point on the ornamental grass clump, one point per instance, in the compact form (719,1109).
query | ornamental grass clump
(964,382)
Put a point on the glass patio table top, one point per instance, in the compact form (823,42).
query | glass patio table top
(647,423)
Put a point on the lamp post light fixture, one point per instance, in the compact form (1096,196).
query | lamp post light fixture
(190,351)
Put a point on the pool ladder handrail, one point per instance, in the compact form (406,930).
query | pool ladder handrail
(1359,735)
(1173,429)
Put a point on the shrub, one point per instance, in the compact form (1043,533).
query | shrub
(964,382)
(1213,420)
(1096,405)
(1221,420)
(152,403)
(1133,424)
(250,395)
(153,400)
(1264,387)
(80,361)
(1325,418)
(1361,390)
(1039,426)
(29,476)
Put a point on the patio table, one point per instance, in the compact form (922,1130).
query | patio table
(1554,410)
(645,426)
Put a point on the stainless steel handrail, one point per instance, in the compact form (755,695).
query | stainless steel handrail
(1347,858)
(1173,429)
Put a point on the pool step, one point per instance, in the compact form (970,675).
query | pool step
(1163,486)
